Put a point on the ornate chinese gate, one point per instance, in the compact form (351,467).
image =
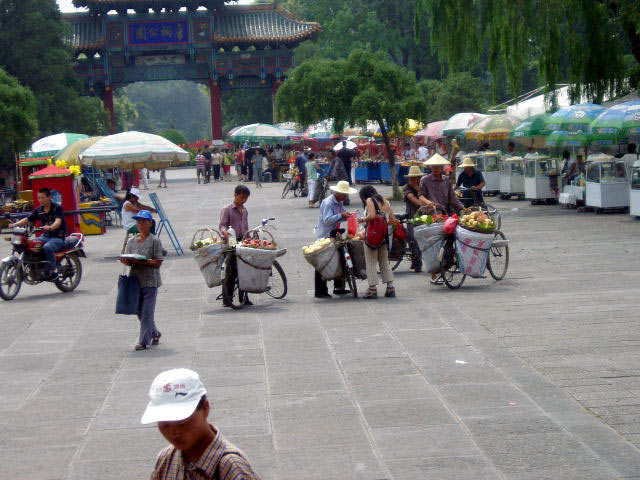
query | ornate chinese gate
(206,41)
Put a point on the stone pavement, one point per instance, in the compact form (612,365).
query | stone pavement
(534,377)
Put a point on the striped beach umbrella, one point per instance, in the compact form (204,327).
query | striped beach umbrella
(131,150)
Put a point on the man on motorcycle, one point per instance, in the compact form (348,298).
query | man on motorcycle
(51,217)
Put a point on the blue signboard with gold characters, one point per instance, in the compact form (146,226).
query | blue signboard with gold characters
(158,33)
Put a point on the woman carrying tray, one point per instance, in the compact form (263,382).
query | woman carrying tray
(148,273)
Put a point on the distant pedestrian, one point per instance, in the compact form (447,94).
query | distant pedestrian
(226,165)
(239,160)
(143,176)
(163,178)
(312,178)
(199,165)
(198,451)
(216,160)
(148,273)
(208,162)
(346,155)
(256,163)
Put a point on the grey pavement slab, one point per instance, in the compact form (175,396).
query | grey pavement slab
(533,377)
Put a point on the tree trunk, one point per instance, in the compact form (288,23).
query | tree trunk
(397,194)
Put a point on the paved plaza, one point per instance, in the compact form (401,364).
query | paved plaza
(534,377)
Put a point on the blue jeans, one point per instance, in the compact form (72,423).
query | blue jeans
(51,246)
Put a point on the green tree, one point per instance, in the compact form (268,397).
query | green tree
(588,36)
(459,92)
(125,112)
(363,87)
(18,122)
(174,136)
(32,49)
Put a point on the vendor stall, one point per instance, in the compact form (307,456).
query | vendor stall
(489,165)
(512,177)
(607,183)
(29,166)
(635,189)
(541,175)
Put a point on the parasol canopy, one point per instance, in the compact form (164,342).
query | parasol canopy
(49,146)
(615,125)
(131,150)
(575,118)
(350,145)
(432,130)
(531,132)
(562,138)
(71,152)
(493,127)
(259,132)
(460,122)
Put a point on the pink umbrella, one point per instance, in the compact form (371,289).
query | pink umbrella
(432,130)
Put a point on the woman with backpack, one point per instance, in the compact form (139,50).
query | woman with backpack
(376,247)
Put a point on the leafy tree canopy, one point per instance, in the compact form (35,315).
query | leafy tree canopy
(18,122)
(459,92)
(174,136)
(32,49)
(363,87)
(578,41)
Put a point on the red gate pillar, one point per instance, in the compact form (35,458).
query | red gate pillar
(216,110)
(107,100)
(275,85)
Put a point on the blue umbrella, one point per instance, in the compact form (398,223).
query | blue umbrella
(576,118)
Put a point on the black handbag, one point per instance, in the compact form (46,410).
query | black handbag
(128,301)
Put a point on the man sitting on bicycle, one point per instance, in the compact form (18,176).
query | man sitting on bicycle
(435,189)
(234,216)
(473,181)
(332,212)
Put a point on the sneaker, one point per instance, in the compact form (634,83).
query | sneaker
(390,293)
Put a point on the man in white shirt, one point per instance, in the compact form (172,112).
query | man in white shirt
(423,153)
(630,158)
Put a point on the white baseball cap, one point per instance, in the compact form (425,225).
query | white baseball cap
(174,395)
(135,191)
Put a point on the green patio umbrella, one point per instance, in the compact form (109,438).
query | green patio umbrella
(576,118)
(259,132)
(616,124)
(562,138)
(531,132)
(51,145)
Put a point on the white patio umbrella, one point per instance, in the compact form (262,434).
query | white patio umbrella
(350,145)
(132,150)
(51,145)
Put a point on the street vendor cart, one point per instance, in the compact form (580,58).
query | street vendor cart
(512,177)
(607,183)
(635,189)
(541,175)
(489,164)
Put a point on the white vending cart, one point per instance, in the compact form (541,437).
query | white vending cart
(489,164)
(511,177)
(541,179)
(607,183)
(635,189)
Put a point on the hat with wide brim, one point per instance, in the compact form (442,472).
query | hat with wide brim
(467,162)
(437,159)
(343,187)
(414,171)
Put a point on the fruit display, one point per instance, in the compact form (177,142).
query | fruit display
(357,236)
(427,219)
(258,243)
(204,242)
(477,220)
(317,246)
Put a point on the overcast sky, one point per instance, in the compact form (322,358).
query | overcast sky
(67,5)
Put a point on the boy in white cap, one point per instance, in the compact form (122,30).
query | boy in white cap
(198,451)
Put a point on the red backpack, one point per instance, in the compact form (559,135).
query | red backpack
(376,229)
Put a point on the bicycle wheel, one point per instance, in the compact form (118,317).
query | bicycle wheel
(498,260)
(277,282)
(351,281)
(449,268)
(287,187)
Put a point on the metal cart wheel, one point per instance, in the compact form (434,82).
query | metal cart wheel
(449,268)
(277,282)
(498,260)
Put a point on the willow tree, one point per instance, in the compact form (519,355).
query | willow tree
(365,86)
(588,36)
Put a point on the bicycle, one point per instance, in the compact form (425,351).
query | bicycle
(293,184)
(348,271)
(277,287)
(403,251)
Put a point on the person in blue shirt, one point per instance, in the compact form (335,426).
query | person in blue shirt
(332,212)
(473,181)
(301,165)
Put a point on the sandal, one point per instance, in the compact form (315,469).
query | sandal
(139,346)
(390,293)
(156,339)
(371,294)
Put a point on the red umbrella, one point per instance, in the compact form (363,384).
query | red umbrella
(432,130)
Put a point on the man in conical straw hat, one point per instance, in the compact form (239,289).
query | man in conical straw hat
(412,203)
(472,180)
(332,212)
(435,189)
